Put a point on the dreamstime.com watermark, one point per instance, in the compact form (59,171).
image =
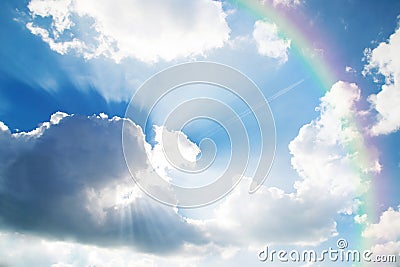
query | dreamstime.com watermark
(339,254)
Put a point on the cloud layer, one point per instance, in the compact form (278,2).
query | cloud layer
(67,179)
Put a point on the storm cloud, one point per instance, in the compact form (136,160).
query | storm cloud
(67,179)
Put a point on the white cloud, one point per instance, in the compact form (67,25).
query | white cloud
(268,41)
(58,9)
(350,69)
(284,3)
(165,140)
(387,228)
(3,127)
(272,216)
(387,249)
(385,60)
(187,148)
(332,178)
(385,235)
(61,47)
(148,31)
(322,155)
(360,219)
(287,3)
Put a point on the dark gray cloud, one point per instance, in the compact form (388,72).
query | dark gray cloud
(60,181)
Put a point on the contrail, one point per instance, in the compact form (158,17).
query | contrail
(259,105)
(285,90)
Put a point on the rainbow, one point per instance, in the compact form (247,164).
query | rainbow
(323,73)
(301,40)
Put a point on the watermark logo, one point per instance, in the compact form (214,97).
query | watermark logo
(342,243)
(339,254)
(197,107)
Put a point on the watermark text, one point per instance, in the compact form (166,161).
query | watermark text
(339,254)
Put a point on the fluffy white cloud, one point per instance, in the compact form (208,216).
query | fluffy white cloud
(327,156)
(385,235)
(165,140)
(271,216)
(329,152)
(387,228)
(387,249)
(146,30)
(268,41)
(385,60)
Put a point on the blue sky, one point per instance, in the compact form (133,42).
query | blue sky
(70,68)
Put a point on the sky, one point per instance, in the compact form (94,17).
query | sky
(120,119)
